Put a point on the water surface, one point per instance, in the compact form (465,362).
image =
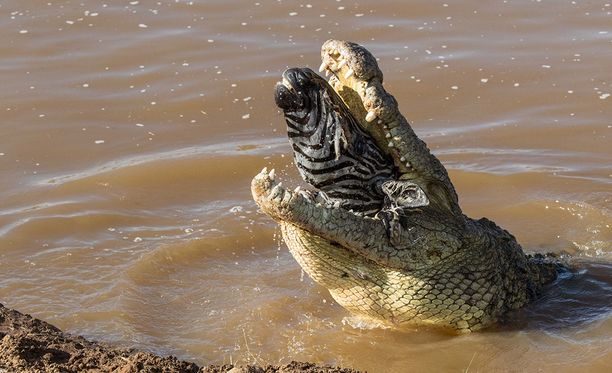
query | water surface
(131,129)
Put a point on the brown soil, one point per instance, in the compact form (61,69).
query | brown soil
(31,345)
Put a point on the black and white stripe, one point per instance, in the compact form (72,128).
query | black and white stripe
(331,151)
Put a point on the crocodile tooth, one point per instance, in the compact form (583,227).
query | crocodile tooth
(333,81)
(286,196)
(297,189)
(323,67)
(403,159)
(306,195)
(349,73)
(327,72)
(264,171)
(272,174)
(390,144)
(277,191)
(370,116)
(336,204)
(408,165)
(388,135)
(379,121)
(341,64)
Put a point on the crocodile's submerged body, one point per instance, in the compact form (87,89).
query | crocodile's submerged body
(420,262)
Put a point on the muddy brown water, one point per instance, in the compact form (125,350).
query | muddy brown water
(130,131)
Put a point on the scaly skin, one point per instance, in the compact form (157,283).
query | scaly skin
(445,269)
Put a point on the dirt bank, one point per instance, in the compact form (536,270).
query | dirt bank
(31,345)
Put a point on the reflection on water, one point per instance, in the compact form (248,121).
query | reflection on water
(131,130)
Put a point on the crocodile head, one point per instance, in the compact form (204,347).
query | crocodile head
(351,130)
(383,230)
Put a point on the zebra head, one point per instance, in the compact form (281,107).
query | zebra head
(331,151)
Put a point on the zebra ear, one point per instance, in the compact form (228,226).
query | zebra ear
(404,194)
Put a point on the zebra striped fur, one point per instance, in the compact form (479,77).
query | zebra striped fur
(330,149)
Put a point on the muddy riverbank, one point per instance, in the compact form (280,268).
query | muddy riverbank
(31,345)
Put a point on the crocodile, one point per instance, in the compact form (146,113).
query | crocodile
(415,261)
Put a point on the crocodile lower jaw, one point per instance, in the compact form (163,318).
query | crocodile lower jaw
(340,250)
(298,207)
